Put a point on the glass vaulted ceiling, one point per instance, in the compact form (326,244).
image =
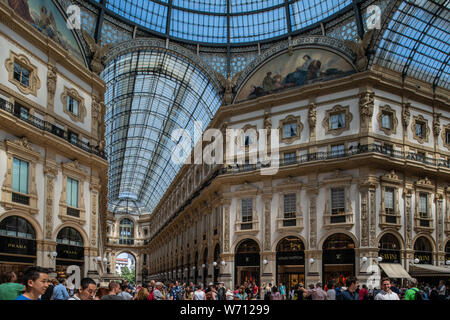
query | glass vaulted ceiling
(225,21)
(149,94)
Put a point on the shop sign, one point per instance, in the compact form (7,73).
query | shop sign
(69,252)
(290,258)
(17,246)
(390,256)
(424,257)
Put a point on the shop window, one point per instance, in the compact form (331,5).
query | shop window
(17,227)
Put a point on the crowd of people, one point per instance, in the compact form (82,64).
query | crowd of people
(36,285)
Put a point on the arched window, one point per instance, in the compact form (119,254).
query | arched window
(290,244)
(338,241)
(18,227)
(247,246)
(423,250)
(423,244)
(69,236)
(126,231)
(389,242)
(389,249)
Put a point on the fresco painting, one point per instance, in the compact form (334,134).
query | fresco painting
(304,66)
(45,16)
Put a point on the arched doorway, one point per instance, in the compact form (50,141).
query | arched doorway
(423,250)
(126,267)
(205,267)
(247,262)
(217,267)
(70,250)
(126,231)
(17,245)
(338,258)
(290,260)
(389,249)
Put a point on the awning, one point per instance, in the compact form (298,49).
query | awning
(395,270)
(428,270)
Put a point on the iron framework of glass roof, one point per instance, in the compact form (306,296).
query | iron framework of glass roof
(149,94)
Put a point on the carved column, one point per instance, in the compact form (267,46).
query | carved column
(312,194)
(50,173)
(51,86)
(372,190)
(312,117)
(439,221)
(407,193)
(95,187)
(364,216)
(267,198)
(366,103)
(226,232)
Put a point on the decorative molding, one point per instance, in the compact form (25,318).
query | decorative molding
(337,109)
(312,193)
(81,107)
(267,230)
(386,109)
(287,120)
(50,172)
(436,124)
(416,119)
(406,114)
(364,219)
(52,76)
(34,81)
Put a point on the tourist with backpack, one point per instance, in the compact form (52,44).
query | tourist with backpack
(413,293)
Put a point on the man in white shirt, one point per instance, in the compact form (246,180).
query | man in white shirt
(386,293)
(442,290)
(199,294)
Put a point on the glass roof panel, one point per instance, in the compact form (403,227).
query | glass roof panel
(149,94)
(417,41)
(240,6)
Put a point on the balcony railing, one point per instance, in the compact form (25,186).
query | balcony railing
(49,127)
(20,199)
(323,156)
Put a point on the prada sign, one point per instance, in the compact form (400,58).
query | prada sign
(390,256)
(290,258)
(69,252)
(17,246)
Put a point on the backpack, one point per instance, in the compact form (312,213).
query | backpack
(420,295)
(267,295)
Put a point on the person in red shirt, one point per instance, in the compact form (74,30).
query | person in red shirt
(363,293)
(255,290)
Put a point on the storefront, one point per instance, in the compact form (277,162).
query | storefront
(247,262)
(290,260)
(17,245)
(70,251)
(338,259)
(423,251)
